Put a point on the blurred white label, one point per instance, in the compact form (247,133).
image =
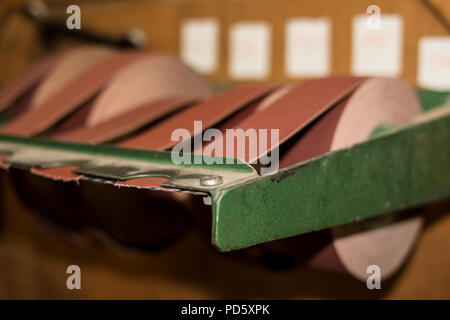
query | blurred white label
(434,63)
(307,47)
(377,51)
(250,50)
(199,44)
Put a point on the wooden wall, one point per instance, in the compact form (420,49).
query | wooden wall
(160,20)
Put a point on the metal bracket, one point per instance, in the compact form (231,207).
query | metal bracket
(113,163)
(398,169)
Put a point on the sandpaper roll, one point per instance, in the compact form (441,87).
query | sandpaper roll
(385,241)
(140,218)
(134,217)
(103,204)
(135,106)
(143,218)
(355,108)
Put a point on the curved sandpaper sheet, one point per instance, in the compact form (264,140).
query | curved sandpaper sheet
(209,111)
(150,79)
(27,80)
(294,109)
(71,65)
(126,103)
(126,122)
(72,96)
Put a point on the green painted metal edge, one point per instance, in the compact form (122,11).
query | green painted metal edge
(403,168)
(150,156)
(431,99)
